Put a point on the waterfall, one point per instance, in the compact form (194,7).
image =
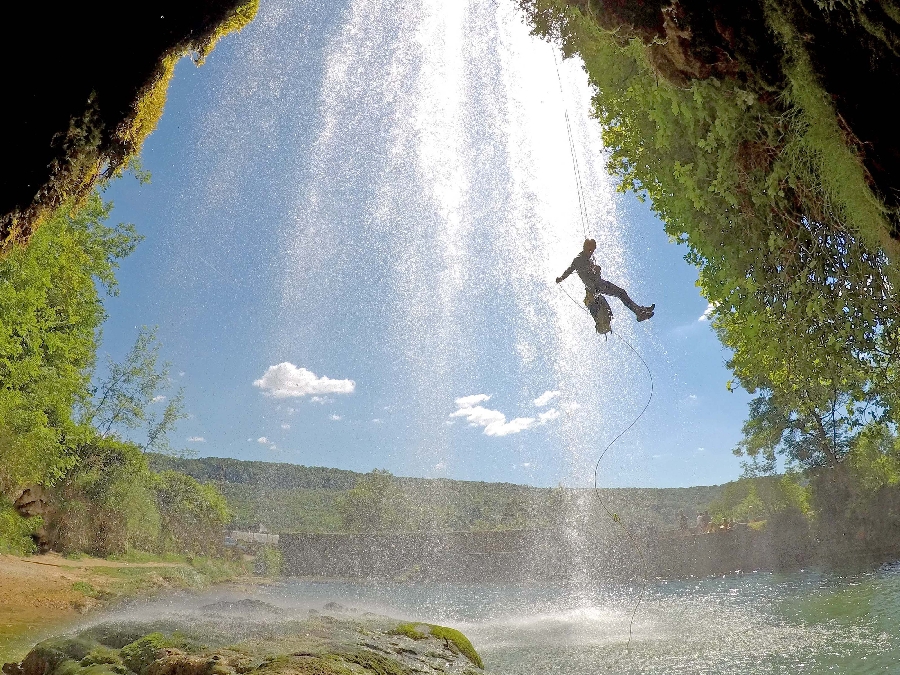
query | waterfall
(435,208)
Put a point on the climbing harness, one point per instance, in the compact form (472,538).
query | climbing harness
(605,328)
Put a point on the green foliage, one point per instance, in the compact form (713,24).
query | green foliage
(809,435)
(86,589)
(111,504)
(371,505)
(874,463)
(762,498)
(269,562)
(52,313)
(105,498)
(291,498)
(16,531)
(124,400)
(106,504)
(193,514)
(761,184)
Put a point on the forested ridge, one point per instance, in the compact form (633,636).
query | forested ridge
(292,498)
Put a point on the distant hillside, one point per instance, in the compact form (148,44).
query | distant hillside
(270,475)
(294,498)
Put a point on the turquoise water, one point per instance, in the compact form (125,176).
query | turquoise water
(756,623)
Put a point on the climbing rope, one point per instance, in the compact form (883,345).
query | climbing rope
(582,207)
(615,517)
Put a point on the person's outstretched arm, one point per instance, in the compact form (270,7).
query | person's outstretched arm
(569,270)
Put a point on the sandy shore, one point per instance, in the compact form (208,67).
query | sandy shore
(46,593)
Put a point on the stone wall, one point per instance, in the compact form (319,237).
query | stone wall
(523,555)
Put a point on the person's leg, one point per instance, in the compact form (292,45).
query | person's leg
(608,288)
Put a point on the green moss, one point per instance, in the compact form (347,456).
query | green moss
(839,166)
(149,106)
(410,631)
(60,656)
(94,147)
(101,654)
(450,635)
(142,652)
(461,642)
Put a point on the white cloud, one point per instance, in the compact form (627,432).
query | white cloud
(440,466)
(469,401)
(196,439)
(545,398)
(285,425)
(158,399)
(262,439)
(335,418)
(526,465)
(548,415)
(286,379)
(693,397)
(710,308)
(180,373)
(493,421)
(321,399)
(377,421)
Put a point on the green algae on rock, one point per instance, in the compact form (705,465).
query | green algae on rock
(224,639)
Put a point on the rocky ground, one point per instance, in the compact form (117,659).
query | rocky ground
(249,636)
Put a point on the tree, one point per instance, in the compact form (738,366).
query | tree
(193,514)
(371,505)
(124,400)
(51,310)
(798,426)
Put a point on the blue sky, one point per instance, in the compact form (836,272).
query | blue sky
(352,231)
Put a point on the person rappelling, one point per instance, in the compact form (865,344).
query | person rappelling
(596,287)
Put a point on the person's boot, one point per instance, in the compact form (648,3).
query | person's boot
(645,313)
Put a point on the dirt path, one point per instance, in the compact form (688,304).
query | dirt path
(45,593)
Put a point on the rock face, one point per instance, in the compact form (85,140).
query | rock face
(84,84)
(854,50)
(236,638)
